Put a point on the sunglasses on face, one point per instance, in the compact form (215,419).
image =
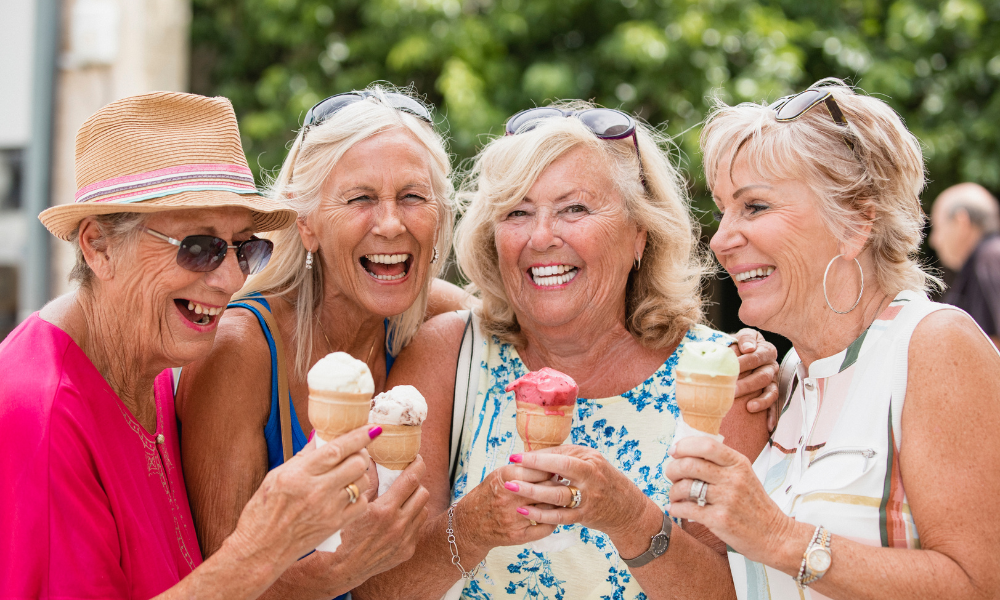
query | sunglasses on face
(605,123)
(325,109)
(790,108)
(203,253)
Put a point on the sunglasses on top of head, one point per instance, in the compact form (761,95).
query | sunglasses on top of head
(605,123)
(203,253)
(790,108)
(324,109)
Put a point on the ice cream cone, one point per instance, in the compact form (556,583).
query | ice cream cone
(705,399)
(543,426)
(397,447)
(333,413)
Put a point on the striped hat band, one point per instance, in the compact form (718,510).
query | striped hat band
(171,180)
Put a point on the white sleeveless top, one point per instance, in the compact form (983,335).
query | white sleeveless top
(632,431)
(834,458)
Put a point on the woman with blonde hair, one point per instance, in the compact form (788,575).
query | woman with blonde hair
(369,179)
(879,481)
(578,239)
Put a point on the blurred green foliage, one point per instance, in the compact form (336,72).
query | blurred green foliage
(479,61)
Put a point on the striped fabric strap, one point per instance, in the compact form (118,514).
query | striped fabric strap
(172,180)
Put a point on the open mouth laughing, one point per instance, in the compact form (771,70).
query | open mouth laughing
(759,274)
(387,267)
(198,313)
(552,275)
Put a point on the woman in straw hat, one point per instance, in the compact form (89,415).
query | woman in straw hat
(369,179)
(93,502)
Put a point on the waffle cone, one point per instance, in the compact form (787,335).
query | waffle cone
(539,430)
(705,399)
(335,413)
(396,447)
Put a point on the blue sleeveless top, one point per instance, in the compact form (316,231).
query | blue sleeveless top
(272,429)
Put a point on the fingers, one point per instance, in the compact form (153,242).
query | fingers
(747,339)
(762,354)
(767,399)
(553,460)
(522,473)
(708,449)
(547,517)
(407,483)
(542,493)
(336,451)
(752,382)
(681,492)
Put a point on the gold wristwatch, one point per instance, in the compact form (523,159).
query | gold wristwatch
(817,559)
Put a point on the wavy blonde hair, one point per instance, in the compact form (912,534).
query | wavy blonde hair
(312,157)
(882,175)
(662,297)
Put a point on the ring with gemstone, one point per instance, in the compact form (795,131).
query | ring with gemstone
(576,497)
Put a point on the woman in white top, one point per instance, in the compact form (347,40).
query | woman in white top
(880,480)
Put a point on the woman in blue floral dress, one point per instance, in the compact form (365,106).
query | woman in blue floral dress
(586,261)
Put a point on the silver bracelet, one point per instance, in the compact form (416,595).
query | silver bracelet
(455,560)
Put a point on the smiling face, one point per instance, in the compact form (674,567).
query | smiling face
(566,250)
(174,310)
(376,224)
(773,242)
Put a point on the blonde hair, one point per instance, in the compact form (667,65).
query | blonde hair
(662,298)
(314,153)
(882,175)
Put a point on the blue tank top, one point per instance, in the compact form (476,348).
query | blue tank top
(272,429)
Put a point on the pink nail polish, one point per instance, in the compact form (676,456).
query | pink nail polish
(312,434)
(374,432)
(523,511)
(512,486)
(515,458)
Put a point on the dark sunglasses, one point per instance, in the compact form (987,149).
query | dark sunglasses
(325,109)
(789,108)
(605,123)
(203,253)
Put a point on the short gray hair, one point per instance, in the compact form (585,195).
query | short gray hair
(115,228)
(979,204)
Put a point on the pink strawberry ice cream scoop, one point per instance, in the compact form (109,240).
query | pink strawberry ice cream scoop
(545,387)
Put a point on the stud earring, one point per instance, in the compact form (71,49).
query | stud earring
(434,258)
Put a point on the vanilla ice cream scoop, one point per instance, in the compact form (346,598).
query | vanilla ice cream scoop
(708,358)
(341,372)
(402,405)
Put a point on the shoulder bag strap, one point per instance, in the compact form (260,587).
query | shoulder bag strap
(466,386)
(284,402)
(787,375)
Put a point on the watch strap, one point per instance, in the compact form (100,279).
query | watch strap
(657,547)
(806,576)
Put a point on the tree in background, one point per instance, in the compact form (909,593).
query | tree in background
(479,61)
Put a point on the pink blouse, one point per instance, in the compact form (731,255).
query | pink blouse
(91,505)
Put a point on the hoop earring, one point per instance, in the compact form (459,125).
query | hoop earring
(827,298)
(638,262)
(434,258)
(309,260)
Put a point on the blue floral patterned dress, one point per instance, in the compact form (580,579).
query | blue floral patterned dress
(632,431)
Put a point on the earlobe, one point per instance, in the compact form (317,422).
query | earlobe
(306,234)
(93,245)
(640,243)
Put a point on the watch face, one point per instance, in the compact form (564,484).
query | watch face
(819,560)
(659,544)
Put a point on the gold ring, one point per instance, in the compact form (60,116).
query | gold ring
(533,523)
(575,500)
(353,493)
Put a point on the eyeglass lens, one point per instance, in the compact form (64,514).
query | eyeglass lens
(797,105)
(608,124)
(203,253)
(327,108)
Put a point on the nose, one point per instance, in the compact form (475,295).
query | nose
(726,238)
(228,278)
(543,236)
(388,220)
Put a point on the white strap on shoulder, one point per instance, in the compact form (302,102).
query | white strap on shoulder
(466,384)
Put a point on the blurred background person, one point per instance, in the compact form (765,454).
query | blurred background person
(965,233)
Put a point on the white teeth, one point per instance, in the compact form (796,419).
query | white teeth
(550,270)
(752,273)
(387,259)
(546,276)
(190,306)
(198,309)
(387,277)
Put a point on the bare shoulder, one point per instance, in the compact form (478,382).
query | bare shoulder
(433,352)
(949,354)
(445,297)
(238,369)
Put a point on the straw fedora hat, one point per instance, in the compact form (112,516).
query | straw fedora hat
(158,152)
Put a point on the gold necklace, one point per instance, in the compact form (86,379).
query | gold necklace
(329,346)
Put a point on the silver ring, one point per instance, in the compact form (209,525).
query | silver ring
(563,481)
(695,491)
(702,494)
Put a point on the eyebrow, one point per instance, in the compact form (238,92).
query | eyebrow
(746,188)
(566,195)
